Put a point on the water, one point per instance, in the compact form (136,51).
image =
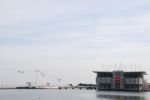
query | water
(71,95)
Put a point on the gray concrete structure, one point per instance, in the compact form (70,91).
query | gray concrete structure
(119,80)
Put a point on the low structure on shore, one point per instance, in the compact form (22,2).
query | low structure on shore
(120,80)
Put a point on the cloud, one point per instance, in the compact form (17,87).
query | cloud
(64,33)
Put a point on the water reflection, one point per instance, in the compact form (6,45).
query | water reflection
(119,97)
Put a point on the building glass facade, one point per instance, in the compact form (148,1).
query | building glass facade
(119,80)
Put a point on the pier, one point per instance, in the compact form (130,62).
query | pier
(88,87)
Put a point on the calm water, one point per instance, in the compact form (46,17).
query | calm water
(71,95)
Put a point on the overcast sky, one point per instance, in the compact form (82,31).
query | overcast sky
(69,39)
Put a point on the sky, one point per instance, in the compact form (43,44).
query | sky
(68,39)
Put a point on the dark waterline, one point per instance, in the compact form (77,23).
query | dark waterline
(71,95)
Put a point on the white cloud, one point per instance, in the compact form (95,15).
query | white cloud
(65,34)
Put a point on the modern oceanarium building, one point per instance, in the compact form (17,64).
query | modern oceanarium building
(120,80)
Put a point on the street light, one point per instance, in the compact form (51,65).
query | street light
(36,77)
(42,74)
(20,72)
(59,81)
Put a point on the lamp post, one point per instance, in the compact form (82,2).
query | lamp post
(20,72)
(36,77)
(42,74)
(59,80)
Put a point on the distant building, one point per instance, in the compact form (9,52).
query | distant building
(119,80)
